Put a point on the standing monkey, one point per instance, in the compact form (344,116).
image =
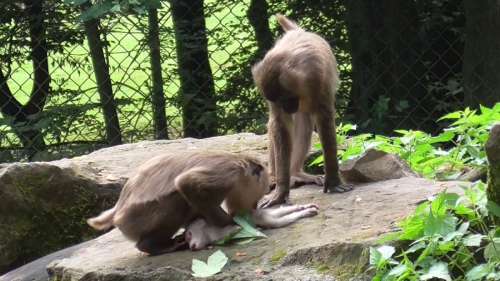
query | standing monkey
(299,79)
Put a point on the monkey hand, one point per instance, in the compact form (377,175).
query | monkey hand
(277,196)
(336,186)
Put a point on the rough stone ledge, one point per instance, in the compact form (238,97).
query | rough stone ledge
(330,246)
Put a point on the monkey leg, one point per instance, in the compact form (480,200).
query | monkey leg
(302,133)
(280,128)
(159,242)
(205,189)
(325,120)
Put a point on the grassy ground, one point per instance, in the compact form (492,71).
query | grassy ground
(129,66)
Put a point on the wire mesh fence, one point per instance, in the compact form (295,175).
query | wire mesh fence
(80,75)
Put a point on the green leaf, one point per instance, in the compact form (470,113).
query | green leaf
(415,247)
(75,2)
(214,265)
(473,240)
(443,137)
(386,251)
(441,225)
(375,257)
(492,251)
(477,272)
(437,270)
(493,208)
(398,270)
(453,115)
(248,228)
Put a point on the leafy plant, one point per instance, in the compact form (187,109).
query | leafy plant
(450,237)
(444,156)
(247,233)
(214,265)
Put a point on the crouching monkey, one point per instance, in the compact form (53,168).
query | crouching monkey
(299,79)
(170,191)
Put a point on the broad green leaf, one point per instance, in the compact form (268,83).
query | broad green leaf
(443,137)
(214,265)
(473,240)
(415,247)
(375,257)
(442,225)
(477,272)
(452,115)
(398,270)
(492,251)
(75,2)
(248,227)
(493,208)
(386,251)
(438,270)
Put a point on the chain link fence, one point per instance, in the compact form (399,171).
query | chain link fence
(70,84)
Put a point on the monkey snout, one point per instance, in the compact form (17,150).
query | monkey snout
(194,247)
(188,235)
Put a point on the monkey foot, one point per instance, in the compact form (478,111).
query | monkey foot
(273,198)
(340,188)
(302,178)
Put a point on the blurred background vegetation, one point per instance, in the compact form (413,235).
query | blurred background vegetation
(77,75)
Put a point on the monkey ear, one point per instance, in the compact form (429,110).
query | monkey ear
(256,169)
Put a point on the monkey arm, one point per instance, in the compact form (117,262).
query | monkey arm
(205,189)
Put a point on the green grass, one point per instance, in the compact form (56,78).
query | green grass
(129,63)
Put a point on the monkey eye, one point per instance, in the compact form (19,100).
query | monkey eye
(257,169)
(290,105)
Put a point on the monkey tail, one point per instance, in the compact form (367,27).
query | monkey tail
(103,221)
(286,24)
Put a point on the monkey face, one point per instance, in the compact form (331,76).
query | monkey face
(290,104)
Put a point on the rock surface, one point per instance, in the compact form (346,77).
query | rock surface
(330,246)
(375,165)
(45,204)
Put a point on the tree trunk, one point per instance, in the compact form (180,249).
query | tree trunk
(197,92)
(103,80)
(388,74)
(25,116)
(259,19)
(482,52)
(493,153)
(158,96)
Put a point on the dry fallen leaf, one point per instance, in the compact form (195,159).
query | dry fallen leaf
(241,254)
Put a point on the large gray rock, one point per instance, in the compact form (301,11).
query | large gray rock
(375,165)
(330,246)
(45,204)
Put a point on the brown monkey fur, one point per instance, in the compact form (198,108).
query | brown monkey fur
(170,191)
(299,79)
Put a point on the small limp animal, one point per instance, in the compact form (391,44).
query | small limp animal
(200,234)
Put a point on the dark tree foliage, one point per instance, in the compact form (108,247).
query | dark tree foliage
(24,116)
(482,52)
